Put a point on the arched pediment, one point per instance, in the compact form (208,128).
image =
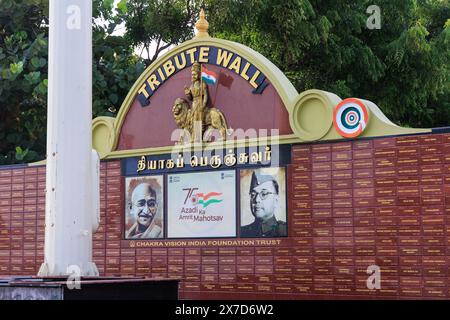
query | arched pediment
(250,91)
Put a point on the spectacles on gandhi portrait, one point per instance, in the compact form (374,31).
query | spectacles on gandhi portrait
(151,203)
(263,194)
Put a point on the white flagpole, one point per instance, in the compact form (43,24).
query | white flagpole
(69,206)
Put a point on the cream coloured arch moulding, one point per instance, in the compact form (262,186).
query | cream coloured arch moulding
(310,112)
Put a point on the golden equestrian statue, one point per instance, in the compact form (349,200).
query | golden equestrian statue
(198,121)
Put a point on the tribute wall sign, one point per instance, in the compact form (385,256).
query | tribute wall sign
(218,172)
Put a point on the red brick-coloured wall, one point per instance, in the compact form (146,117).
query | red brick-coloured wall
(382,201)
(22,217)
(352,204)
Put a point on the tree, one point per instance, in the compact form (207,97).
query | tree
(115,65)
(403,67)
(23,80)
(159,24)
(23,73)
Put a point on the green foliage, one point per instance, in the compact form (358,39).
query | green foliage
(25,155)
(159,22)
(23,84)
(115,66)
(403,67)
(23,73)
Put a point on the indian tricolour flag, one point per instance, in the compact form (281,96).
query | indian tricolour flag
(209,198)
(209,77)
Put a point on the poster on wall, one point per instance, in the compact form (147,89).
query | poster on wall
(263,203)
(144,207)
(201,205)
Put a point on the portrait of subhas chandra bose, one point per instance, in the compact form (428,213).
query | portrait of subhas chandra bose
(144,208)
(263,203)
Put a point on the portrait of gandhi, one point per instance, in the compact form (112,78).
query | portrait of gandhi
(144,208)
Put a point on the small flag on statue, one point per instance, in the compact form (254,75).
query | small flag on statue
(209,77)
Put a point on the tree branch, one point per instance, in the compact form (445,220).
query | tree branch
(147,48)
(160,49)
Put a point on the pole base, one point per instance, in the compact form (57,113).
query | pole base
(87,270)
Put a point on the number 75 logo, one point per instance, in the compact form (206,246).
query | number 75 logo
(190,191)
